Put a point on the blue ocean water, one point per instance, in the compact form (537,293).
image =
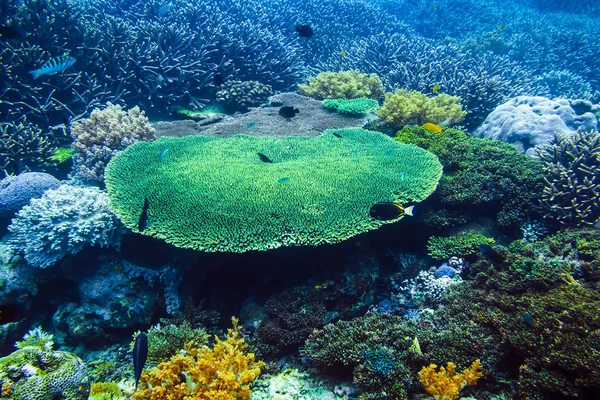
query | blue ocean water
(183,217)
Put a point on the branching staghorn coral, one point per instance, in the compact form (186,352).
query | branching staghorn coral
(223,372)
(53,28)
(405,60)
(106,132)
(24,147)
(571,195)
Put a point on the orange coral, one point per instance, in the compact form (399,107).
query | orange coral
(445,384)
(221,373)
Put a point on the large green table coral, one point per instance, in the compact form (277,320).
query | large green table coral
(214,194)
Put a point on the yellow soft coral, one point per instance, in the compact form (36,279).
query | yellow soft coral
(343,85)
(445,384)
(221,373)
(403,107)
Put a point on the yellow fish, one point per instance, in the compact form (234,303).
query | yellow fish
(343,53)
(432,127)
(436,87)
(501,27)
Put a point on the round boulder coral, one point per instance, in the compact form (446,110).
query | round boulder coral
(16,191)
(36,373)
(257,193)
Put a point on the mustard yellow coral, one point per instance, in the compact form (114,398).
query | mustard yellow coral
(445,384)
(343,85)
(403,107)
(221,373)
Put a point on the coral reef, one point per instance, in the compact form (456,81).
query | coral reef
(572,175)
(357,106)
(424,290)
(17,191)
(18,284)
(312,120)
(446,383)
(530,122)
(53,28)
(568,85)
(442,248)
(166,278)
(106,132)
(24,147)
(291,317)
(290,384)
(240,96)
(403,107)
(37,372)
(166,340)
(481,177)
(62,222)
(380,349)
(288,191)
(223,372)
(343,85)
(106,391)
(108,300)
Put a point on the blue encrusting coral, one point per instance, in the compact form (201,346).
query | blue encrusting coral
(399,199)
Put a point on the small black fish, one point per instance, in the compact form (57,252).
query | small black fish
(218,78)
(264,158)
(491,255)
(13,31)
(66,119)
(386,211)
(337,135)
(140,354)
(288,111)
(143,217)
(304,31)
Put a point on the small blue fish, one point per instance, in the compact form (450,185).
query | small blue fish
(403,176)
(164,153)
(283,180)
(355,153)
(251,125)
(164,9)
(53,66)
(530,320)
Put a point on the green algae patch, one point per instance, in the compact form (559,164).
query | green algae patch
(258,193)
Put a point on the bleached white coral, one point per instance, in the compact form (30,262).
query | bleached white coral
(62,222)
(426,288)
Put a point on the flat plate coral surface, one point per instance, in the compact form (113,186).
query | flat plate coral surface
(257,193)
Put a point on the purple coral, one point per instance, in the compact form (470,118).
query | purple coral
(16,191)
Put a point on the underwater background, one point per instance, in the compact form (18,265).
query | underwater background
(277,199)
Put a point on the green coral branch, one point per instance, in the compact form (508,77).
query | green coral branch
(358,106)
